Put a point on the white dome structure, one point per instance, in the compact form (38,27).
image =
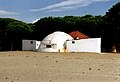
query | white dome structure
(54,42)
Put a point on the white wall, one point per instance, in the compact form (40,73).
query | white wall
(84,45)
(30,44)
(37,44)
(53,47)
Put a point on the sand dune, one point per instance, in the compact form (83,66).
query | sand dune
(28,66)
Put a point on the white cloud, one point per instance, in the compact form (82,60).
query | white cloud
(35,20)
(4,13)
(8,14)
(68,4)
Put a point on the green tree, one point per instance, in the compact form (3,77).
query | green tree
(16,31)
(113,24)
(3,34)
(47,25)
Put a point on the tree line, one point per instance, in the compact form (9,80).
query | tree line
(107,27)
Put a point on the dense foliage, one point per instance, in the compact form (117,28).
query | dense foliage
(107,27)
(12,32)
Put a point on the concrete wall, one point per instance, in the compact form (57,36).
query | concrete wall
(84,45)
(30,44)
(37,44)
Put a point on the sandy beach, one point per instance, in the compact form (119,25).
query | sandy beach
(29,66)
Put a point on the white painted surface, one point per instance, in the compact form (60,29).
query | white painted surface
(30,44)
(84,45)
(37,45)
(54,42)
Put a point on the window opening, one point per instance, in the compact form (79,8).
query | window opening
(48,46)
(73,42)
(31,42)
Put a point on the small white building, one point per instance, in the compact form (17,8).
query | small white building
(30,44)
(54,42)
(84,45)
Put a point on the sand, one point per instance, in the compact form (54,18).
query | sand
(29,66)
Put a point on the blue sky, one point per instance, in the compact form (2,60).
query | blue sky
(31,10)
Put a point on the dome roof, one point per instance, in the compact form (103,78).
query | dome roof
(57,37)
(54,42)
